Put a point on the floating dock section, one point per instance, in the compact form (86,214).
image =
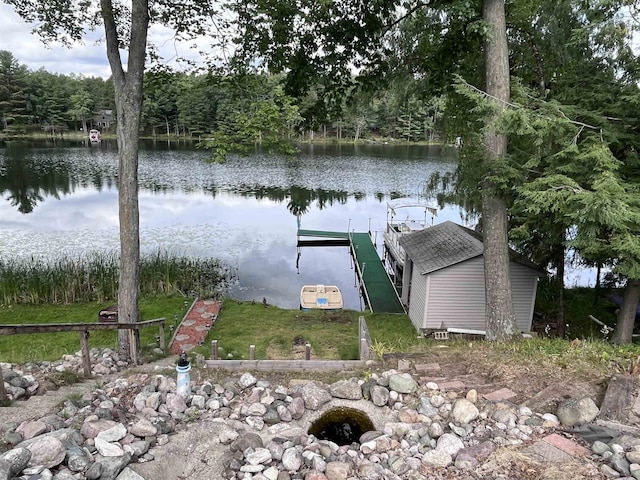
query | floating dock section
(379,292)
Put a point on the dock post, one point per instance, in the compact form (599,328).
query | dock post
(307,351)
(252,352)
(214,349)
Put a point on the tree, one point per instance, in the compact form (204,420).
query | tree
(500,317)
(81,107)
(13,106)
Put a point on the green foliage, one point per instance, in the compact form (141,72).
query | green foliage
(94,278)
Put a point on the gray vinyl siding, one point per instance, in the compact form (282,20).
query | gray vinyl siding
(524,283)
(417,299)
(456,296)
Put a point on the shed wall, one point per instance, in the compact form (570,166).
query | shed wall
(417,298)
(456,296)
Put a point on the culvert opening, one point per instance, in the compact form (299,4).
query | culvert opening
(341,425)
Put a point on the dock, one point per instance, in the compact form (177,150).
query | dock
(380,294)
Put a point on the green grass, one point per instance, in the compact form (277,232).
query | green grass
(52,346)
(274,331)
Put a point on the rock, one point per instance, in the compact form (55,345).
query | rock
(91,429)
(315,395)
(143,428)
(15,461)
(574,412)
(349,389)
(464,411)
(337,470)
(402,383)
(128,474)
(291,460)
(113,434)
(108,449)
(437,458)
(110,467)
(426,408)
(379,395)
(450,444)
(31,429)
(47,451)
(246,380)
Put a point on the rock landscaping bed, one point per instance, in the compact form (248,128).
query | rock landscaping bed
(244,427)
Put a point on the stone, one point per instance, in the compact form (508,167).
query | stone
(402,383)
(437,458)
(291,460)
(450,444)
(113,434)
(259,456)
(464,411)
(247,380)
(143,428)
(91,429)
(315,395)
(108,449)
(31,429)
(47,451)
(426,408)
(337,470)
(348,389)
(379,395)
(15,460)
(577,411)
(128,474)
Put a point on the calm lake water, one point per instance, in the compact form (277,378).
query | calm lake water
(62,200)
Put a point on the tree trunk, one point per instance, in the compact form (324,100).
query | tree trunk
(560,316)
(128,97)
(500,317)
(623,332)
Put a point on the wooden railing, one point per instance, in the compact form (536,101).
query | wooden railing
(307,364)
(83,329)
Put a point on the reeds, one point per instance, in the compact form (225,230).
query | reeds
(94,278)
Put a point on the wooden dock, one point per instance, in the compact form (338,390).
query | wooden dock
(380,294)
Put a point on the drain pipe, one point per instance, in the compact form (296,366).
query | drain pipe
(183,379)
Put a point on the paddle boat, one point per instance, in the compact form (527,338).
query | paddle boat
(322,297)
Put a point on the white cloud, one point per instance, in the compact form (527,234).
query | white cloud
(89,58)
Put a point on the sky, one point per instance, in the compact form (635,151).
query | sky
(88,59)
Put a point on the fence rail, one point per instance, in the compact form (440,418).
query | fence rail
(83,329)
(364,346)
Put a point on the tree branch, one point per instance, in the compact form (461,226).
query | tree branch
(111,35)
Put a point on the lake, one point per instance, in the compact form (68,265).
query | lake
(62,200)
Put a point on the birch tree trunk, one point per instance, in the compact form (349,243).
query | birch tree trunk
(500,317)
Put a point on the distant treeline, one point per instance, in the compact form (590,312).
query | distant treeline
(246,108)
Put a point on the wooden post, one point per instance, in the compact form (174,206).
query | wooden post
(307,351)
(133,348)
(3,394)
(86,359)
(161,328)
(214,349)
(252,352)
(364,349)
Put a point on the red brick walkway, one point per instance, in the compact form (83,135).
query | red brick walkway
(195,325)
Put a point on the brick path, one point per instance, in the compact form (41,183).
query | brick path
(195,325)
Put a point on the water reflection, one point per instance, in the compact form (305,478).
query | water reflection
(63,200)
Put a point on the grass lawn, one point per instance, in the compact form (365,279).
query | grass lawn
(279,334)
(52,346)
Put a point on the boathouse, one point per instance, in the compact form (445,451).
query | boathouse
(444,272)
